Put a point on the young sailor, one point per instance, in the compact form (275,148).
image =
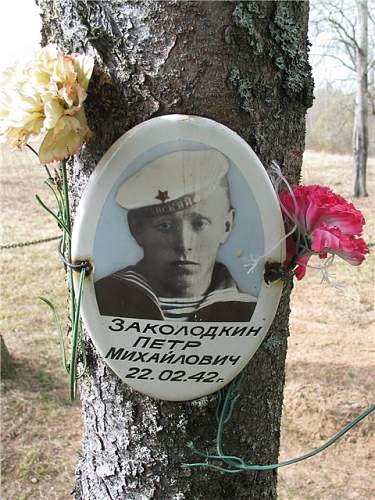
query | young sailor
(179,213)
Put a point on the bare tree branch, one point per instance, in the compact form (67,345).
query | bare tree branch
(350,21)
(347,22)
(333,56)
(371,18)
(342,32)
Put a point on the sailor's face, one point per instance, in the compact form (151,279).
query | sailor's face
(181,247)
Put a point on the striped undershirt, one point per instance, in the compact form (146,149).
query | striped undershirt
(179,309)
(182,309)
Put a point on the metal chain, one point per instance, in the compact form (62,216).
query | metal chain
(27,243)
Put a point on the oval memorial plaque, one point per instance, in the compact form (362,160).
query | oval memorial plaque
(173,218)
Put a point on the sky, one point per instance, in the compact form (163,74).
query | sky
(20,26)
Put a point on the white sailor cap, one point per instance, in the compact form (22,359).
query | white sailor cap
(173,182)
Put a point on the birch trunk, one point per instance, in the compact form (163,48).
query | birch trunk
(360,129)
(245,65)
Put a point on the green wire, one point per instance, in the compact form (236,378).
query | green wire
(237,464)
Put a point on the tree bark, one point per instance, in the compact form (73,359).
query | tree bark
(245,65)
(360,127)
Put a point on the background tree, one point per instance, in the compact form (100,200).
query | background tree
(343,28)
(245,65)
(329,122)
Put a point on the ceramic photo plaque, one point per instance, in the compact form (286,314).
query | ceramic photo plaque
(178,220)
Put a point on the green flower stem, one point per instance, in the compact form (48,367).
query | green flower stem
(75,340)
(57,321)
(74,307)
(58,220)
(57,194)
(63,220)
(45,166)
(66,217)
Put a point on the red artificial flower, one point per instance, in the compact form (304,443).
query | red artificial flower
(317,205)
(326,224)
(332,240)
(292,260)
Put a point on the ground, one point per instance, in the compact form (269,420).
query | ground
(330,376)
(328,382)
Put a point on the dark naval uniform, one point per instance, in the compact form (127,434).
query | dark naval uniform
(126,293)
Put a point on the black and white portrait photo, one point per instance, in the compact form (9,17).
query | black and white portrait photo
(178,210)
(178,221)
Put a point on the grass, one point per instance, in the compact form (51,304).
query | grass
(40,427)
(328,379)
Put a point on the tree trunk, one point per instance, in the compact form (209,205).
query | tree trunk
(360,129)
(245,65)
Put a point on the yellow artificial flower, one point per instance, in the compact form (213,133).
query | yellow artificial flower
(65,139)
(83,66)
(21,108)
(46,97)
(43,66)
(65,77)
(53,111)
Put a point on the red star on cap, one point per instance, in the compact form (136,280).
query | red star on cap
(162,196)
